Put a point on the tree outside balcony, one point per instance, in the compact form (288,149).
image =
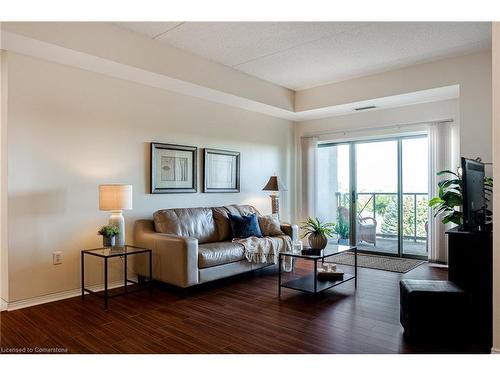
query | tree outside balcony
(390,217)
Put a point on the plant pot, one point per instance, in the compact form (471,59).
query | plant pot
(317,241)
(108,241)
(343,241)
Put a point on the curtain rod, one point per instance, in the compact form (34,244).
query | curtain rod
(398,126)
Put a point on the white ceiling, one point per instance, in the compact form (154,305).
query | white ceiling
(300,55)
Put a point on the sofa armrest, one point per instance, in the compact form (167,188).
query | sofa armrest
(291,230)
(175,258)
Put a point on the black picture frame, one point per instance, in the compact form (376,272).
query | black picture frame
(181,165)
(206,171)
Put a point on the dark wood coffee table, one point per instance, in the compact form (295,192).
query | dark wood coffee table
(310,283)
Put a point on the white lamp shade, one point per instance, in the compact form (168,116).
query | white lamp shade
(115,197)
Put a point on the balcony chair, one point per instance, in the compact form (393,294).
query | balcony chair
(366,227)
(367,230)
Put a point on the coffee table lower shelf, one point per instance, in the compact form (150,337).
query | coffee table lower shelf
(306,283)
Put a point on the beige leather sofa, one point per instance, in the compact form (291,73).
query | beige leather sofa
(193,245)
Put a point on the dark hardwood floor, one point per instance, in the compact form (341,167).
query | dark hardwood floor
(238,315)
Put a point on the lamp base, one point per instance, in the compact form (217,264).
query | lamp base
(118,220)
(275,204)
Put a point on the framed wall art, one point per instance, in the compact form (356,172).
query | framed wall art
(221,171)
(173,168)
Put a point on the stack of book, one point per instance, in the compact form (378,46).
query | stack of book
(329,271)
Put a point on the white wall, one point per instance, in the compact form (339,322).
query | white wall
(3,182)
(496,178)
(446,109)
(471,72)
(71,130)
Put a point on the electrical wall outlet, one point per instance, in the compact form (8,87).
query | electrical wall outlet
(57,257)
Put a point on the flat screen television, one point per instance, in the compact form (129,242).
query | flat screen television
(474,202)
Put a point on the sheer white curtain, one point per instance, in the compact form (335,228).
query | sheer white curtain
(444,154)
(309,146)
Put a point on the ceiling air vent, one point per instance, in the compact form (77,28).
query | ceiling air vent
(365,108)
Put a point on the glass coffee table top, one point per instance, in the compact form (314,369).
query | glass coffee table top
(115,251)
(309,253)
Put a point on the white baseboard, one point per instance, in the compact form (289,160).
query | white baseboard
(15,305)
(3,304)
(495,350)
(438,265)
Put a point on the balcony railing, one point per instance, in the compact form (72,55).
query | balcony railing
(384,209)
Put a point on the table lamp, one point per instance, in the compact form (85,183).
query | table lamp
(274,186)
(116,198)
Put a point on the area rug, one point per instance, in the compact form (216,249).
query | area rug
(401,265)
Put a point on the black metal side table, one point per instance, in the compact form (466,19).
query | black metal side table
(113,252)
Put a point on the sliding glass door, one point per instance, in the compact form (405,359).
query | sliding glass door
(415,182)
(377,196)
(376,192)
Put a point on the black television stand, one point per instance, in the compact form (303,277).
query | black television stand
(470,266)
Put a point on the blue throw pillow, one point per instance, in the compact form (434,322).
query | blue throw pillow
(244,226)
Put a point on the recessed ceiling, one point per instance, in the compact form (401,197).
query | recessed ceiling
(300,55)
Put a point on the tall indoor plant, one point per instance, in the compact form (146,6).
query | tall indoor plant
(449,201)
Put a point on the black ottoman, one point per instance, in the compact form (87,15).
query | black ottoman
(432,310)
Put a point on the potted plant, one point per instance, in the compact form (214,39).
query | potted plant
(108,233)
(341,229)
(449,201)
(317,232)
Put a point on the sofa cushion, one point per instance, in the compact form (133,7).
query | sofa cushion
(222,223)
(245,226)
(270,225)
(188,222)
(217,253)
(222,220)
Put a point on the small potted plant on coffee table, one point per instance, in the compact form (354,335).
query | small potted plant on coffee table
(108,233)
(317,232)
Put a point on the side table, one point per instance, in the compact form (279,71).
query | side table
(106,253)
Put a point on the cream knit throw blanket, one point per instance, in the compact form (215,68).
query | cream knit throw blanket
(265,249)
